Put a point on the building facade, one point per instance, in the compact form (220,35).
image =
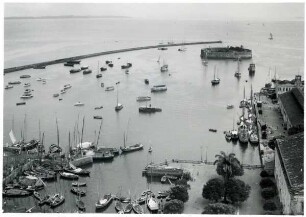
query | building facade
(289,173)
(285,86)
(291,105)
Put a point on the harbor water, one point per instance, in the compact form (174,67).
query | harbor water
(190,106)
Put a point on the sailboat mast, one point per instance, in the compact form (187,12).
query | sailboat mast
(99,135)
(57,131)
(82,130)
(24,127)
(98,68)
(252,96)
(39,136)
(117,90)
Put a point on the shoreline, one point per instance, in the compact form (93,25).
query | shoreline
(62,60)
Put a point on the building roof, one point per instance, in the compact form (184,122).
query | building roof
(293,103)
(291,155)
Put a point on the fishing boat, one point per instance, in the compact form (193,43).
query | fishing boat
(67,86)
(163,179)
(57,200)
(87,71)
(145,109)
(110,64)
(77,171)
(152,203)
(80,204)
(79,104)
(119,106)
(128,208)
(8,87)
(137,208)
(20,103)
(78,191)
(251,68)
(99,107)
(63,91)
(74,71)
(254,138)
(69,64)
(141,200)
(243,133)
(271,36)
(143,98)
(26,96)
(66,175)
(150,150)
(84,67)
(238,73)
(98,75)
(164,68)
(146,81)
(230,106)
(25,76)
(15,192)
(159,88)
(110,88)
(27,84)
(132,148)
(97,117)
(103,69)
(213,130)
(228,136)
(215,81)
(104,202)
(119,206)
(78,184)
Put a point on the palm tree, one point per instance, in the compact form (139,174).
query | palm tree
(228,166)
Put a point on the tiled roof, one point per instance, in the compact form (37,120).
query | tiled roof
(293,102)
(291,154)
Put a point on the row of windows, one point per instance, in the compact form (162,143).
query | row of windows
(284,88)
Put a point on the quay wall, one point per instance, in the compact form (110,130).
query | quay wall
(225,55)
(19,68)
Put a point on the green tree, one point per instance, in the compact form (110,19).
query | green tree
(174,207)
(179,192)
(214,189)
(237,190)
(228,166)
(219,208)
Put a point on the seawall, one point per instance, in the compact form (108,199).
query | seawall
(18,68)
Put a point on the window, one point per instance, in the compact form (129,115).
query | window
(302,206)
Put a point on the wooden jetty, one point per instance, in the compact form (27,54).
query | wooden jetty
(63,60)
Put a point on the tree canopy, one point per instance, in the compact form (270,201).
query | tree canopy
(179,192)
(228,166)
(174,207)
(214,189)
(219,208)
(237,190)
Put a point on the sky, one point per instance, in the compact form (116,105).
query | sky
(179,11)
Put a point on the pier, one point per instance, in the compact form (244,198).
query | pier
(43,64)
(245,166)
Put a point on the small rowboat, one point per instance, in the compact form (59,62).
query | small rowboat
(137,208)
(78,184)
(78,191)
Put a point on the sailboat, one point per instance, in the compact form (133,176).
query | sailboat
(130,148)
(182,48)
(215,81)
(158,59)
(274,79)
(99,75)
(119,106)
(269,84)
(79,203)
(164,67)
(243,130)
(234,133)
(238,73)
(271,36)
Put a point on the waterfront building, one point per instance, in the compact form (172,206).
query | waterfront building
(289,173)
(291,105)
(285,85)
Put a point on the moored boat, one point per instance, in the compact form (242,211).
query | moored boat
(15,192)
(57,200)
(228,136)
(159,88)
(128,208)
(109,88)
(78,191)
(145,109)
(26,96)
(131,148)
(74,61)
(66,175)
(103,69)
(74,70)
(146,81)
(8,86)
(27,84)
(137,208)
(55,95)
(230,106)
(14,82)
(69,64)
(80,204)
(254,138)
(104,202)
(97,117)
(251,68)
(243,134)
(84,67)
(143,98)
(20,103)
(79,104)
(119,206)
(25,76)
(152,203)
(78,184)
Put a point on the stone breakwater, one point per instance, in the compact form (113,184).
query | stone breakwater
(43,64)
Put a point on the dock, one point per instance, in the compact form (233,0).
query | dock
(52,62)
